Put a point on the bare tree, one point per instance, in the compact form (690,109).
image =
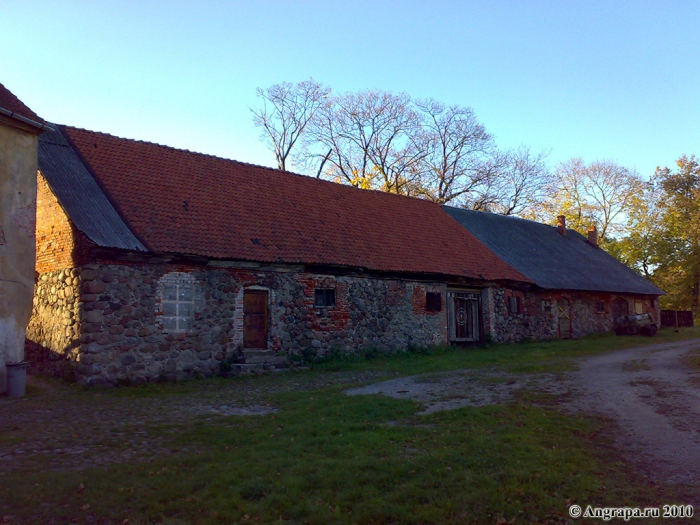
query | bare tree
(601,194)
(369,141)
(455,146)
(287,111)
(514,183)
(385,141)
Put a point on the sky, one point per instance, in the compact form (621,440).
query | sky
(600,80)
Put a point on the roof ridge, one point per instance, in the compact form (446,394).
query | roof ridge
(257,166)
(500,215)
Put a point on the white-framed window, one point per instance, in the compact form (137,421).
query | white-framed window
(177,301)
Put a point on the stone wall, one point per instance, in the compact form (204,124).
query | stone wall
(55,322)
(106,321)
(18,161)
(531,322)
(538,318)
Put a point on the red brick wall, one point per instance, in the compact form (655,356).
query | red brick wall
(58,243)
(419,299)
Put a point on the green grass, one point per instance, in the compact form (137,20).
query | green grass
(538,356)
(327,458)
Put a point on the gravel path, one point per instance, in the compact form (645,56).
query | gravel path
(451,390)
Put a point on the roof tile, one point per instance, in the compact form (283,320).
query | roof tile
(10,102)
(183,202)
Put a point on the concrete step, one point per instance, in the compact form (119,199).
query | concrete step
(257,352)
(266,357)
(248,368)
(260,368)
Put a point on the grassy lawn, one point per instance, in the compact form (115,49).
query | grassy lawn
(327,458)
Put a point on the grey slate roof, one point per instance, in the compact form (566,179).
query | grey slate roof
(553,261)
(80,196)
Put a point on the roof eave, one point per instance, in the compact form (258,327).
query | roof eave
(23,123)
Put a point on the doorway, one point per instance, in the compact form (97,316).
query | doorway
(620,308)
(255,316)
(463,316)
(564,310)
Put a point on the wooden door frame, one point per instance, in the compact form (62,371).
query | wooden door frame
(478,326)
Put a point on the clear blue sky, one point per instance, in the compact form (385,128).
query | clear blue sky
(596,79)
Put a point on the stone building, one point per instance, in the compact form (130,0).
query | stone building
(156,263)
(160,263)
(578,289)
(19,127)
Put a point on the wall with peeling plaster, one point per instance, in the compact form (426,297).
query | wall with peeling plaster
(18,166)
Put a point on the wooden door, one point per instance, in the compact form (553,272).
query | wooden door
(564,318)
(463,316)
(255,316)
(620,308)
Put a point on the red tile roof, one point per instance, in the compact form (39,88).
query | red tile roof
(182,202)
(11,103)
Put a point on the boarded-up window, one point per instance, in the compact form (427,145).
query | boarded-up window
(638,306)
(324,297)
(514,305)
(177,296)
(433,302)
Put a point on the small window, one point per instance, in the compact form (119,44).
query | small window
(600,307)
(324,297)
(514,305)
(546,305)
(433,302)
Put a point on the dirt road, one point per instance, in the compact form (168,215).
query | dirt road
(653,393)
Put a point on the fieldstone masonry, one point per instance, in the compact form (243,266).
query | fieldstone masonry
(539,319)
(105,322)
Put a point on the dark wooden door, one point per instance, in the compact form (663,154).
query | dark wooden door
(464,328)
(620,308)
(255,319)
(564,318)
(463,316)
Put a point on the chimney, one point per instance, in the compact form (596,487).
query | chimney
(593,236)
(561,225)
